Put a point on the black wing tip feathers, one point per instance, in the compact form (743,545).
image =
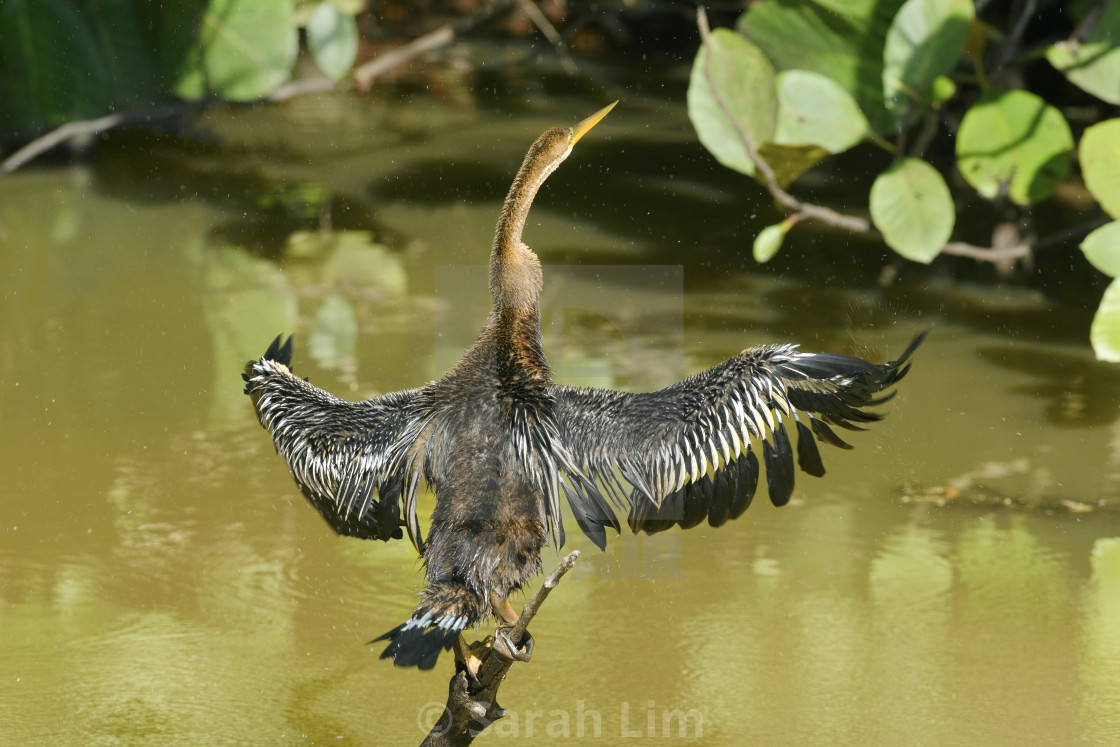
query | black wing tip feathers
(909,351)
(280,352)
(897,369)
(719,497)
(808,455)
(778,455)
(779,467)
(592,512)
(725,493)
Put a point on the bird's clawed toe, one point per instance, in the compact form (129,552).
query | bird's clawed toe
(470,657)
(505,646)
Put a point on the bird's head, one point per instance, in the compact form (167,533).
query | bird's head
(556,144)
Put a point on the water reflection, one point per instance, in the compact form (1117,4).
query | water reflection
(162,580)
(1101,655)
(1078,390)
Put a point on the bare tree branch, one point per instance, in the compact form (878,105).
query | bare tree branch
(987,253)
(84,128)
(541,20)
(386,61)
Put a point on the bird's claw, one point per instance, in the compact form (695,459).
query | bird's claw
(471,656)
(505,646)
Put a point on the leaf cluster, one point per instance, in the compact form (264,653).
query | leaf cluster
(799,80)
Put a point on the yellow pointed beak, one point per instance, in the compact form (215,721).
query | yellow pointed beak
(583,127)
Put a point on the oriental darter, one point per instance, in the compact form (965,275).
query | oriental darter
(503,445)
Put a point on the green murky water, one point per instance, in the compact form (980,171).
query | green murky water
(954,579)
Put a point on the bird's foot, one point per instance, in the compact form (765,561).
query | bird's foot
(470,657)
(504,645)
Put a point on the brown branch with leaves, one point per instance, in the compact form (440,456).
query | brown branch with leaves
(361,77)
(798,207)
(472,703)
(1008,247)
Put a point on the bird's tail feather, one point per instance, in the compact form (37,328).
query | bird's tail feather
(435,624)
(413,644)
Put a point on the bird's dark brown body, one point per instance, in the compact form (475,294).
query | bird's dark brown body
(500,442)
(490,522)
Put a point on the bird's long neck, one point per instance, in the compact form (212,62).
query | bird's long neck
(515,271)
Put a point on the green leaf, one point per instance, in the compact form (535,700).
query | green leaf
(1014,141)
(814,109)
(912,206)
(732,101)
(1100,164)
(305,8)
(1093,65)
(842,40)
(1105,330)
(925,40)
(1102,248)
(332,37)
(943,89)
(128,56)
(171,34)
(789,161)
(769,240)
(245,50)
(52,69)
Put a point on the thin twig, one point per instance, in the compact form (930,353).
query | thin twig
(537,16)
(702,23)
(987,253)
(926,134)
(1010,46)
(534,604)
(295,88)
(1068,234)
(1085,27)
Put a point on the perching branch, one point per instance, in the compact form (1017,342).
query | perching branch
(530,611)
(472,701)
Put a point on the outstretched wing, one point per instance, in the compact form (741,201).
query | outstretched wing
(348,458)
(683,453)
